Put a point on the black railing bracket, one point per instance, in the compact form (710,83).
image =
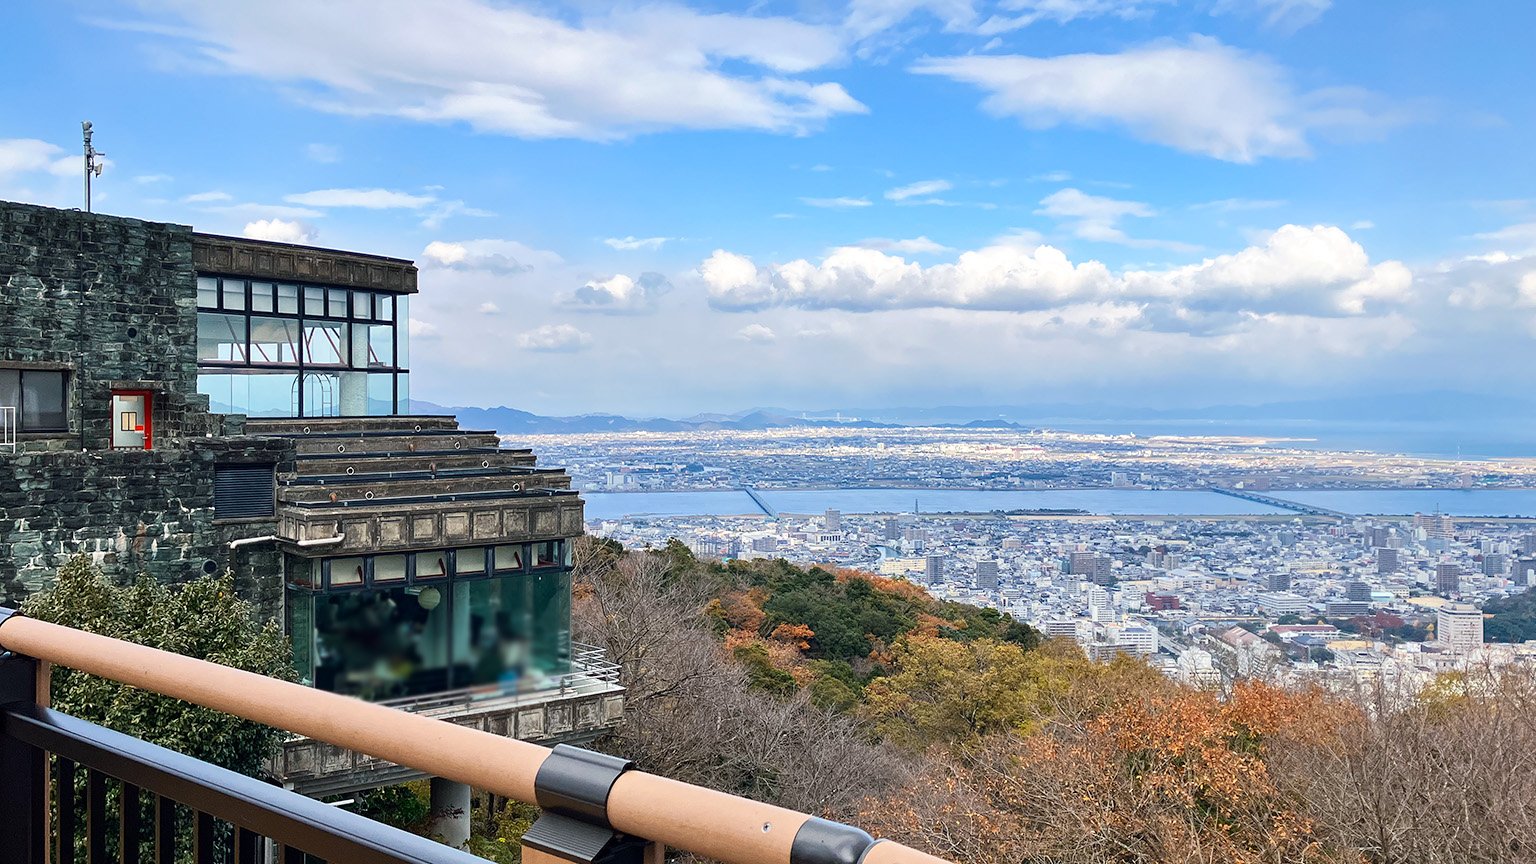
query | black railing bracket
(572,786)
(822,841)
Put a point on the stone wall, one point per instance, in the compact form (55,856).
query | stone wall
(133,512)
(112,300)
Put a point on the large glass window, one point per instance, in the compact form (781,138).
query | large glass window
(221,338)
(380,629)
(303,327)
(255,394)
(40,397)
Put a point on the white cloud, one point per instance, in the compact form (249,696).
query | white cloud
(1362,225)
(618,295)
(252,210)
(836,203)
(1051,177)
(147,179)
(1285,15)
(418,329)
(207,197)
(488,308)
(448,209)
(1519,239)
(1200,97)
(1236,205)
(756,333)
(614,72)
(1096,218)
(921,187)
(554,338)
(491,255)
(632,243)
(280,231)
(29,155)
(1317,271)
(919,245)
(323,153)
(1017,14)
(371,199)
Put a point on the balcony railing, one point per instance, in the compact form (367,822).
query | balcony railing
(594,807)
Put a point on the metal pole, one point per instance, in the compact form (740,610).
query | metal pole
(85,127)
(23,777)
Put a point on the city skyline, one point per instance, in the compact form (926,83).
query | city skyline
(668,209)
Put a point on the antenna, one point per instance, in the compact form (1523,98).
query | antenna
(91,165)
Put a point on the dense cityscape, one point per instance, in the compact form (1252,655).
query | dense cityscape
(1341,599)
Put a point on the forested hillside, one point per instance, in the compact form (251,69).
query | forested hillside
(954,729)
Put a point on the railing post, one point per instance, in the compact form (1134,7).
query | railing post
(572,787)
(23,768)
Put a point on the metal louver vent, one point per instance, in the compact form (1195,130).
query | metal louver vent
(243,491)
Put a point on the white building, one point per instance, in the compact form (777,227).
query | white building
(1459,627)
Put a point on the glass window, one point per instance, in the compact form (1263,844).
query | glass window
(380,643)
(325,343)
(301,633)
(288,299)
(508,558)
(490,639)
(403,343)
(303,572)
(274,340)
(345,571)
(336,302)
(469,562)
(381,346)
(266,394)
(42,401)
(207,292)
(546,554)
(314,300)
(550,627)
(381,395)
(431,565)
(10,388)
(234,294)
(383,307)
(262,297)
(221,337)
(362,305)
(389,568)
(322,395)
(403,393)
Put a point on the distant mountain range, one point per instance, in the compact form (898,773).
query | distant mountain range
(1451,408)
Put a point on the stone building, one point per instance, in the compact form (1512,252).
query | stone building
(176,404)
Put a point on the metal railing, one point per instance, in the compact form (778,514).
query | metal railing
(590,672)
(8,427)
(595,809)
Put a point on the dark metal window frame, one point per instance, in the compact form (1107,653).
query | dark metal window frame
(323,584)
(365,312)
(21,391)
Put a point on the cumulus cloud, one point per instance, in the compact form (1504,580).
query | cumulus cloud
(835,203)
(1200,97)
(280,230)
(632,243)
(371,199)
(554,338)
(1097,218)
(1317,271)
(489,255)
(756,333)
(30,155)
(618,295)
(488,308)
(614,72)
(921,187)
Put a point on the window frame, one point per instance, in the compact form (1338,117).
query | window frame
(66,378)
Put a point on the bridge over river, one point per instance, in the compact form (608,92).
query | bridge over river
(1304,509)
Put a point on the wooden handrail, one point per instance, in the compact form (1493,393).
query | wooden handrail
(725,827)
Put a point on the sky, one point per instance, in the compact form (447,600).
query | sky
(660,208)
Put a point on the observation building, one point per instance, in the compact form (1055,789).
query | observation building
(178,404)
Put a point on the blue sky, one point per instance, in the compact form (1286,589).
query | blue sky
(665,208)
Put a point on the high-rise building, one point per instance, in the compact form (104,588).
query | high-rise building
(1495,564)
(893,529)
(834,520)
(1358,591)
(1447,578)
(1459,627)
(934,569)
(1437,526)
(1387,560)
(1377,536)
(1528,543)
(1278,580)
(1523,572)
(986,575)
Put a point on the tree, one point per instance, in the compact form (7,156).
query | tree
(203,619)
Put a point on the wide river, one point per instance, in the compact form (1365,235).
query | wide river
(1102,502)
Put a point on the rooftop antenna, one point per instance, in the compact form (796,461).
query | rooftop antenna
(92,167)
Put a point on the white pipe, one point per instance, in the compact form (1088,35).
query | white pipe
(246,541)
(322,541)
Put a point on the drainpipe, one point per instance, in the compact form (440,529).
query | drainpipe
(319,541)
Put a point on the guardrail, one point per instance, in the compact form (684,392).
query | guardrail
(595,807)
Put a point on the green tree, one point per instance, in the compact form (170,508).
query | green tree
(203,619)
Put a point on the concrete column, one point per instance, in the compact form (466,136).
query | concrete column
(449,812)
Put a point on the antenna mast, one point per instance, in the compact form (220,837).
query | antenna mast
(92,167)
